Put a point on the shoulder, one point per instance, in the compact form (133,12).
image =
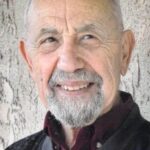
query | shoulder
(143,132)
(32,141)
(134,134)
(145,127)
(141,138)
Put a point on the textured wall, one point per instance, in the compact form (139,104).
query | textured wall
(21,113)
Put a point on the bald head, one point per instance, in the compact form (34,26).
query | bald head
(115,11)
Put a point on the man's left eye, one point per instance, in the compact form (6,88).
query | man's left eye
(90,41)
(87,37)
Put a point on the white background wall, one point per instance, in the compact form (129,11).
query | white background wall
(21,113)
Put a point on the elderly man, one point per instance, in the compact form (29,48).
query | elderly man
(76,51)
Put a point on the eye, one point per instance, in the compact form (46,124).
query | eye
(87,37)
(48,44)
(49,40)
(89,41)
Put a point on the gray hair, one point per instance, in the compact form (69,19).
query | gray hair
(118,13)
(115,5)
(26,16)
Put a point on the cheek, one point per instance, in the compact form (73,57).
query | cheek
(46,65)
(107,65)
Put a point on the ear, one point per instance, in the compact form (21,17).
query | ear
(25,54)
(128,42)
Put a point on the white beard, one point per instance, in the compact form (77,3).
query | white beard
(76,111)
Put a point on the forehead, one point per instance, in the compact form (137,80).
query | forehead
(74,13)
(71,9)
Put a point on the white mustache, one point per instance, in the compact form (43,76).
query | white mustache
(60,76)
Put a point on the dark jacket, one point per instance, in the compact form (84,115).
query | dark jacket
(134,134)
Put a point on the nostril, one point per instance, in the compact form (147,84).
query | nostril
(58,85)
(70,63)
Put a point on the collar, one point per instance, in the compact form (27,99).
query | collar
(98,132)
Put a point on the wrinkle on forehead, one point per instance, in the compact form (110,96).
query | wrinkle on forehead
(81,11)
(100,12)
(70,8)
(48,7)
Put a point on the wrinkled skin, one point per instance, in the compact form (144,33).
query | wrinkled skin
(85,35)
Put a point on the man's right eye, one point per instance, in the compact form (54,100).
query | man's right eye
(48,44)
(49,40)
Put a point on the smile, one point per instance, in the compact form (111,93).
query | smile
(74,86)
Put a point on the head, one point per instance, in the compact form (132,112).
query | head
(76,51)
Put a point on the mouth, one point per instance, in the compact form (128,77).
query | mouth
(78,87)
(75,88)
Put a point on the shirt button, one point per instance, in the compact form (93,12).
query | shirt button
(55,147)
(56,133)
(98,145)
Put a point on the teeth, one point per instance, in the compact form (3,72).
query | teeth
(74,88)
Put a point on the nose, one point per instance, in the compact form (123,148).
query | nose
(69,59)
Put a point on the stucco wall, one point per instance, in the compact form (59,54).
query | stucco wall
(21,112)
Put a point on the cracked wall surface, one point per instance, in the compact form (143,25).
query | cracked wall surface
(21,112)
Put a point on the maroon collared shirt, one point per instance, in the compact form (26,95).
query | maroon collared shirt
(93,136)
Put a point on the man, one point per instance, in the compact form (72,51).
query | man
(76,51)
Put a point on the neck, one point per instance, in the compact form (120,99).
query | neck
(71,135)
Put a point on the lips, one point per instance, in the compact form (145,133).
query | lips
(74,88)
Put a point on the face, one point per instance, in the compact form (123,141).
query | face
(76,52)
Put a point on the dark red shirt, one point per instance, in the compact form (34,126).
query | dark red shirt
(93,136)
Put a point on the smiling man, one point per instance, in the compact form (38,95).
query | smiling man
(76,51)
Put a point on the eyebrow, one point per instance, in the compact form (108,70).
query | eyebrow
(85,28)
(97,28)
(48,30)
